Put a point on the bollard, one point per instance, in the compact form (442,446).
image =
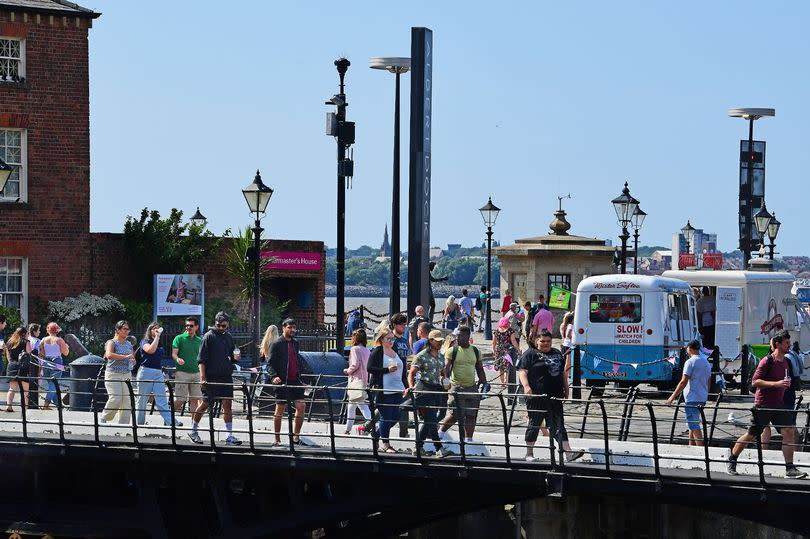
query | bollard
(576,392)
(744,370)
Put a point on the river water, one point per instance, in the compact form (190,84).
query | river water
(375,305)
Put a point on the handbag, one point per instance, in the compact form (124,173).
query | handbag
(355,390)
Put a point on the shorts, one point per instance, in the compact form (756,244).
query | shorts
(468,400)
(293,392)
(187,385)
(762,418)
(693,419)
(219,389)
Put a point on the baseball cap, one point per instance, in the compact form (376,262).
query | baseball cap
(435,335)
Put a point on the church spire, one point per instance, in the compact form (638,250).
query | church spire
(385,248)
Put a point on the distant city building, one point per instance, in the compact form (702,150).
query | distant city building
(453,247)
(436,252)
(702,244)
(385,248)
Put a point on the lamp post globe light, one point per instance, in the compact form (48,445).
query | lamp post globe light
(752,115)
(489,213)
(773,231)
(625,206)
(397,66)
(638,220)
(761,220)
(688,232)
(198,219)
(257,195)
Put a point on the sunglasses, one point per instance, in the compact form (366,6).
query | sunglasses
(389,339)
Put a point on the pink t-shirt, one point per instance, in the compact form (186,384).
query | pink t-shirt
(358,361)
(543,320)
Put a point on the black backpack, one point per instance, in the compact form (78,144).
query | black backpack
(795,384)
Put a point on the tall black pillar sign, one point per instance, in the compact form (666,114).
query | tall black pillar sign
(419,189)
(753,192)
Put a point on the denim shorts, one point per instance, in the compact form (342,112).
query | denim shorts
(693,415)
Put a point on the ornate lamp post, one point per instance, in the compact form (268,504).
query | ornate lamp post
(397,66)
(688,232)
(773,231)
(761,220)
(625,205)
(198,219)
(257,195)
(638,220)
(490,214)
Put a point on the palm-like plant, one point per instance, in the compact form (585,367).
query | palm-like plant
(238,265)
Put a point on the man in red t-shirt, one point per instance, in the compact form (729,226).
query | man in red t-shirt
(771,379)
(285,368)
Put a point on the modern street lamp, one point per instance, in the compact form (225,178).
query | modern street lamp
(5,174)
(688,232)
(257,195)
(625,206)
(752,115)
(490,214)
(761,220)
(638,220)
(343,131)
(397,66)
(198,219)
(773,231)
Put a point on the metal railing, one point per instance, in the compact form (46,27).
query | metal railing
(618,429)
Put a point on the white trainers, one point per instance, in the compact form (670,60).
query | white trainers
(531,458)
(195,437)
(232,440)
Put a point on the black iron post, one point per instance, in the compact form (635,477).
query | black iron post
(624,237)
(393,298)
(256,325)
(488,327)
(749,194)
(635,252)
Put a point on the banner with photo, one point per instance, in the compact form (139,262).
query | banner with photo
(559,298)
(179,294)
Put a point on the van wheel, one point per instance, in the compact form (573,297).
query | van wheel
(597,387)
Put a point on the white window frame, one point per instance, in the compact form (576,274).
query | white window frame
(24,292)
(21,71)
(23,165)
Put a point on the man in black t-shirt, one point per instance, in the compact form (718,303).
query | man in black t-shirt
(541,373)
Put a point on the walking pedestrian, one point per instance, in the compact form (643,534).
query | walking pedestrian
(516,317)
(216,359)
(507,302)
(120,359)
(543,320)
(463,363)
(483,296)
(528,317)
(422,333)
(416,321)
(697,373)
(428,391)
(771,379)
(388,378)
(403,350)
(285,367)
(795,363)
(33,389)
(467,305)
(3,323)
(451,314)
(185,349)
(505,349)
(540,371)
(53,348)
(357,381)
(151,380)
(33,338)
(20,370)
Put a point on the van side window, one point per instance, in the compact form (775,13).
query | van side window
(615,308)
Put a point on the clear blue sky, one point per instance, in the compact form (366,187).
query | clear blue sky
(531,100)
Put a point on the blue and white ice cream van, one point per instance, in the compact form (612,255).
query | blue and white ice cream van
(632,328)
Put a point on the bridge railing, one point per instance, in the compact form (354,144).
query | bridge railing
(612,428)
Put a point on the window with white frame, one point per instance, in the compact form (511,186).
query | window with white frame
(12,283)
(12,59)
(13,152)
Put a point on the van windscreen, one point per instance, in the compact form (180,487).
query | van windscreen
(615,308)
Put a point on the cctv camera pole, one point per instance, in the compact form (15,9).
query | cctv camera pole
(343,142)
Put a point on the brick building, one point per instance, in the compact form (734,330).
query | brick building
(46,249)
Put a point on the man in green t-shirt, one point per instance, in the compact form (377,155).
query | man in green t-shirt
(185,348)
(463,362)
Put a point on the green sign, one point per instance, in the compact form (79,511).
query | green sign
(559,298)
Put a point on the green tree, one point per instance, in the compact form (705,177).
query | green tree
(166,245)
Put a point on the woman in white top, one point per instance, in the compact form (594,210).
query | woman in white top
(567,334)
(388,374)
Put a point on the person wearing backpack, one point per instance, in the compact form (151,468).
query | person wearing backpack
(772,379)
(463,362)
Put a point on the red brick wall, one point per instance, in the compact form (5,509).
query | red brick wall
(52,229)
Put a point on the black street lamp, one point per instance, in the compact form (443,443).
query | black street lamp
(490,214)
(625,205)
(761,220)
(397,66)
(688,232)
(198,219)
(773,231)
(638,220)
(343,131)
(257,195)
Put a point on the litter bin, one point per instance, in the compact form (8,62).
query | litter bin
(84,379)
(760,350)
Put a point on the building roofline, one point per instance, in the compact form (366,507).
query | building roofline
(72,9)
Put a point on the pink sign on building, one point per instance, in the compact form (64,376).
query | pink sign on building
(292,261)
